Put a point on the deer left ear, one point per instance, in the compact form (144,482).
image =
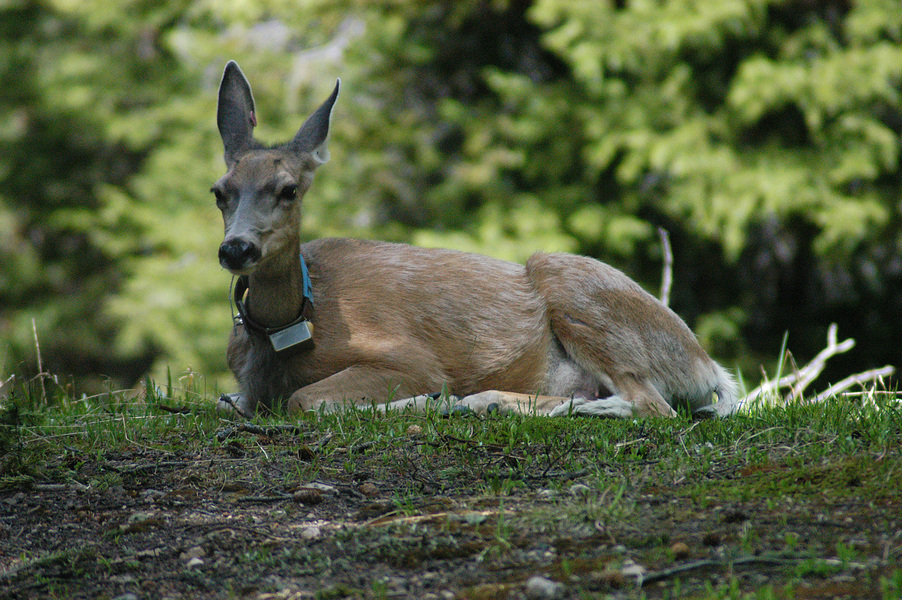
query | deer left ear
(235,115)
(312,135)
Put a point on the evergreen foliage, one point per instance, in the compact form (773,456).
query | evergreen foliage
(764,135)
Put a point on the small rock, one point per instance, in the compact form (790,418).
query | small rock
(308,495)
(311,533)
(326,489)
(415,430)
(369,490)
(680,551)
(540,587)
(140,521)
(195,562)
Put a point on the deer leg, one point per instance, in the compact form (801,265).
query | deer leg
(633,397)
(356,386)
(528,404)
(482,402)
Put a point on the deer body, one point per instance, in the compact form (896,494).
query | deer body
(563,333)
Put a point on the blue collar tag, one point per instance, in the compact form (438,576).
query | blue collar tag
(308,287)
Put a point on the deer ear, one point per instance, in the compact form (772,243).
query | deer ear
(235,113)
(312,135)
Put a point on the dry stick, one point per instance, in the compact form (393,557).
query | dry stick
(819,362)
(667,275)
(859,378)
(37,349)
(804,376)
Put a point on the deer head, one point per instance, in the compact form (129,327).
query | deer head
(260,195)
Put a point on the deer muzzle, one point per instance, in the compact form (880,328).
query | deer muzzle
(238,255)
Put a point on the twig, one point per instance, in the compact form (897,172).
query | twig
(707,564)
(816,366)
(227,399)
(140,468)
(801,378)
(851,380)
(556,475)
(264,499)
(37,349)
(176,410)
(667,275)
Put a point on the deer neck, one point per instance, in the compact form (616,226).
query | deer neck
(276,297)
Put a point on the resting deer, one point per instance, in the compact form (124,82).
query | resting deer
(343,321)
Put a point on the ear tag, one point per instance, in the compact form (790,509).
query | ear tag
(299,336)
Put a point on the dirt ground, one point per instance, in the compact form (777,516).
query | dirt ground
(242,518)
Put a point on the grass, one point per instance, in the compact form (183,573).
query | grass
(799,493)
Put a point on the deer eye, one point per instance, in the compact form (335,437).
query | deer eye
(220,197)
(289,192)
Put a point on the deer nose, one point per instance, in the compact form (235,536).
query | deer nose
(236,255)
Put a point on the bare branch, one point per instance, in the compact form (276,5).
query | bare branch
(857,379)
(667,275)
(803,377)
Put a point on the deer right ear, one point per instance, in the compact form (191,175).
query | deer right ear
(312,135)
(235,114)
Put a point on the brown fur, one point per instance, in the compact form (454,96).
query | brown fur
(394,322)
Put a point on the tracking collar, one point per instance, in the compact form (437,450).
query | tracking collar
(297,334)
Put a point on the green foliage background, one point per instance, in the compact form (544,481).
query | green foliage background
(764,135)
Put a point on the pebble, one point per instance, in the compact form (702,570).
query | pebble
(369,490)
(311,533)
(680,551)
(326,489)
(415,430)
(540,587)
(308,496)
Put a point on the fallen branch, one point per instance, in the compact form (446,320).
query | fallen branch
(857,379)
(802,378)
(665,574)
(268,431)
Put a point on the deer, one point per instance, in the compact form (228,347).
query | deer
(333,323)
